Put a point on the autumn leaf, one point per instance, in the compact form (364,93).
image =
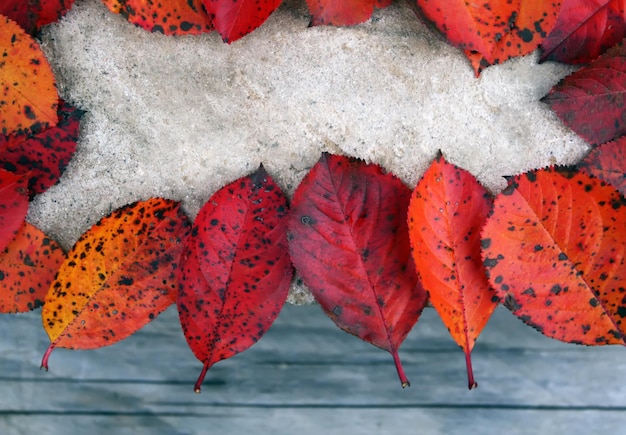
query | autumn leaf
(447,210)
(608,163)
(554,252)
(493,31)
(118,277)
(43,157)
(592,101)
(343,12)
(235,271)
(236,18)
(13,206)
(31,15)
(27,267)
(171,17)
(584,30)
(28,97)
(349,241)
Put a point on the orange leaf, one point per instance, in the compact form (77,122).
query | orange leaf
(171,17)
(118,277)
(13,205)
(447,209)
(27,267)
(497,30)
(28,97)
(554,252)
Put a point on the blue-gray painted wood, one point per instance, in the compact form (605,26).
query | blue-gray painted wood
(307,377)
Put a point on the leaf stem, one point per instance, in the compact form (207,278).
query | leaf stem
(44,361)
(197,387)
(471,383)
(401,375)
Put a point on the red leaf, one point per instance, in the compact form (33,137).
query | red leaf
(27,267)
(43,157)
(171,17)
(13,206)
(592,101)
(118,277)
(608,163)
(554,251)
(236,18)
(343,12)
(496,30)
(235,270)
(34,14)
(584,30)
(447,210)
(349,240)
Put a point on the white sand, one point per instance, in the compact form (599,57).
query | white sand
(182,116)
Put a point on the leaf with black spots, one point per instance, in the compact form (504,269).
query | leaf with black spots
(608,163)
(584,30)
(349,241)
(554,251)
(235,270)
(447,210)
(592,101)
(27,267)
(118,276)
(13,206)
(171,17)
(28,96)
(491,32)
(43,157)
(34,14)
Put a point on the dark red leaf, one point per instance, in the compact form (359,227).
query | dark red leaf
(447,210)
(43,157)
(349,240)
(584,30)
(608,163)
(554,252)
(13,206)
(34,14)
(343,12)
(171,17)
(592,101)
(27,267)
(235,270)
(236,18)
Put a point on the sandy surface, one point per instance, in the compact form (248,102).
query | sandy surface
(180,117)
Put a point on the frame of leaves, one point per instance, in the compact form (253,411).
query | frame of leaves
(373,251)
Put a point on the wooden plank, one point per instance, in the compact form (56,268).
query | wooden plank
(306,373)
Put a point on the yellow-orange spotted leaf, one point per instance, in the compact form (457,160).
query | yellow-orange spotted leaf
(118,277)
(28,96)
(27,267)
